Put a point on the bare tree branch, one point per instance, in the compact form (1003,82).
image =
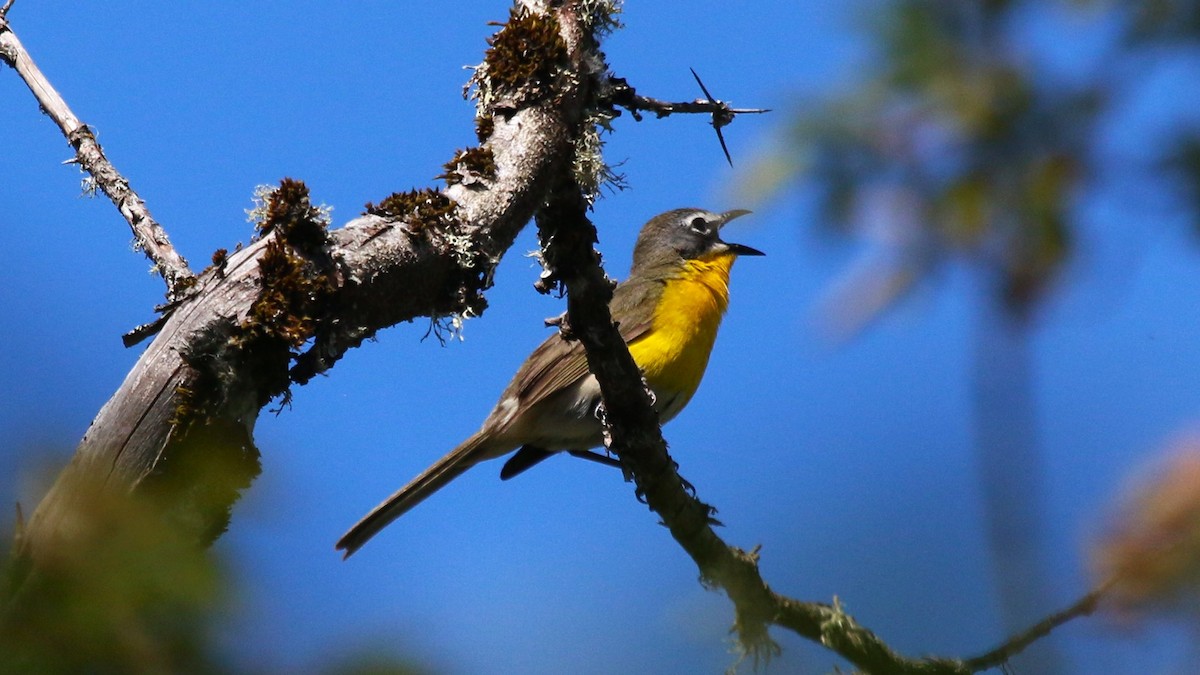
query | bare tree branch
(288,306)
(151,238)
(1017,643)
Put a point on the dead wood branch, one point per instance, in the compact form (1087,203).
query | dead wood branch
(149,236)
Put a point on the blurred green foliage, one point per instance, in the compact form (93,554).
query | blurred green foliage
(127,587)
(955,143)
(122,593)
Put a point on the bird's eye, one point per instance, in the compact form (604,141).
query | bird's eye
(699,224)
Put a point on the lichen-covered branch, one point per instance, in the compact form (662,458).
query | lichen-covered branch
(149,236)
(288,306)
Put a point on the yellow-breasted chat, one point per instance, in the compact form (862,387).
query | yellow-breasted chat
(667,311)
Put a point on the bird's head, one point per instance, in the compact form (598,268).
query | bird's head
(686,234)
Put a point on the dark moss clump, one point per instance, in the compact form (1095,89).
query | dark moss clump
(470,163)
(290,212)
(295,288)
(484,126)
(292,291)
(419,208)
(257,351)
(526,55)
(219,259)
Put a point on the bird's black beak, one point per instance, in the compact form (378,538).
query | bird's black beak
(737,249)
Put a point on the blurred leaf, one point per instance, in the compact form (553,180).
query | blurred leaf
(964,211)
(121,593)
(1044,239)
(1151,553)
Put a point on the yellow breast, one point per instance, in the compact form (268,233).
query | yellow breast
(674,352)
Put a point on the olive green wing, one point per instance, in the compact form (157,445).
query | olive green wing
(558,363)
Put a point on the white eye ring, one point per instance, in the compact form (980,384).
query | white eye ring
(699,224)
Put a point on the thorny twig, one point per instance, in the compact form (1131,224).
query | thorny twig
(625,96)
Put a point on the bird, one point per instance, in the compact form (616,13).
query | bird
(667,310)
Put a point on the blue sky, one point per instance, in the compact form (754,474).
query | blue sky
(851,464)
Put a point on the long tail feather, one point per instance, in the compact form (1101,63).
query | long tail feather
(418,490)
